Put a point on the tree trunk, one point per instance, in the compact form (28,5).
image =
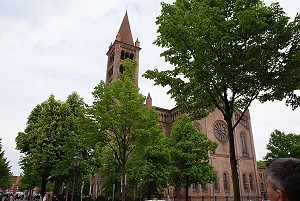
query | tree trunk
(233,162)
(43,186)
(123,183)
(57,186)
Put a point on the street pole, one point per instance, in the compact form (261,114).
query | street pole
(73,186)
(113,198)
(76,160)
(141,180)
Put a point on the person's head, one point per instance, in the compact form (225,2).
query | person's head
(283,182)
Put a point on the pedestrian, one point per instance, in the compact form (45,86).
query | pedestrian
(45,198)
(283,181)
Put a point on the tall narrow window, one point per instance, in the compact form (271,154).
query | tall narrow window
(251,183)
(122,69)
(112,57)
(216,185)
(245,182)
(262,188)
(122,54)
(225,182)
(131,56)
(243,143)
(110,72)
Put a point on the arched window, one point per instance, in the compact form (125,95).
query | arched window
(123,54)
(262,188)
(245,182)
(126,55)
(216,185)
(112,57)
(122,69)
(225,182)
(243,143)
(110,72)
(131,56)
(251,183)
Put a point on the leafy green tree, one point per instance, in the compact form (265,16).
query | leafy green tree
(283,145)
(189,151)
(261,164)
(29,179)
(226,54)
(147,170)
(123,119)
(110,172)
(151,168)
(50,140)
(5,174)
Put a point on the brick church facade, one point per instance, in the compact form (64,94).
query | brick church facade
(213,125)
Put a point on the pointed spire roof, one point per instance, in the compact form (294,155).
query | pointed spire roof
(124,33)
(149,96)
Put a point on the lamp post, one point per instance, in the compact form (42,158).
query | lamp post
(76,161)
(141,180)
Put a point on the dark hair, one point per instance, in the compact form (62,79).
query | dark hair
(284,174)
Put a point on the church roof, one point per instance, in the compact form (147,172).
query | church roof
(125,32)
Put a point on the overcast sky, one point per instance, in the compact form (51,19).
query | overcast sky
(57,47)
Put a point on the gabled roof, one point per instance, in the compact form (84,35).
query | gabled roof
(125,31)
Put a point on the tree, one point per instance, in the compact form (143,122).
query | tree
(225,55)
(122,117)
(151,168)
(50,140)
(283,145)
(190,153)
(261,164)
(5,174)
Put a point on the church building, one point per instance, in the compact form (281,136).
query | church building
(213,125)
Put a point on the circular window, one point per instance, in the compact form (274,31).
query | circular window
(220,131)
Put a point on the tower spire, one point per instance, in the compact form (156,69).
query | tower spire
(124,35)
(122,48)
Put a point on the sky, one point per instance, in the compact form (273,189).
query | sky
(57,47)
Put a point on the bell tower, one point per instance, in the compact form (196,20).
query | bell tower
(122,48)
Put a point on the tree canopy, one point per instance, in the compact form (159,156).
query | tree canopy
(5,173)
(283,145)
(190,156)
(50,140)
(261,164)
(225,55)
(128,126)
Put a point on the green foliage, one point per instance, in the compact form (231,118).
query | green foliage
(225,55)
(261,164)
(151,167)
(283,145)
(128,126)
(189,151)
(52,137)
(5,174)
(227,51)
